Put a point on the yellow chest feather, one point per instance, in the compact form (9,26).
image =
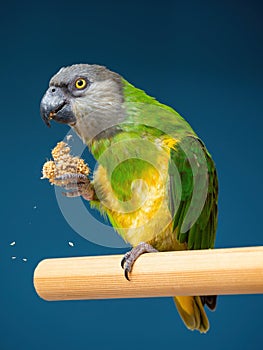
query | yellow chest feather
(146,216)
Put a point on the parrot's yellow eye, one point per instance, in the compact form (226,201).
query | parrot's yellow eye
(80,83)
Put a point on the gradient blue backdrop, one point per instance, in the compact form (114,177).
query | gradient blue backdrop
(203,58)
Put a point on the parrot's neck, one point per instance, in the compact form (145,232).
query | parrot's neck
(124,110)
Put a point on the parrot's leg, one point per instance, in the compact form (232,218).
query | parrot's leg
(77,184)
(130,257)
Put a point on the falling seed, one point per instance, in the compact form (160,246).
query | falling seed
(13,243)
(34,206)
(13,257)
(71,244)
(24,259)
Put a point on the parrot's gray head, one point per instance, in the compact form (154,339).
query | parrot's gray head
(87,97)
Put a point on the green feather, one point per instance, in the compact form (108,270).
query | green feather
(201,234)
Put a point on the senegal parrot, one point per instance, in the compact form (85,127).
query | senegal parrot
(155,180)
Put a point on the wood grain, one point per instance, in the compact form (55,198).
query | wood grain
(198,272)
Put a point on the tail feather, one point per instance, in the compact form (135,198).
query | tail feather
(209,301)
(192,313)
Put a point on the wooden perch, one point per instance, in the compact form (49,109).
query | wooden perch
(196,272)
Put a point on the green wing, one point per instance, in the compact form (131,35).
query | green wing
(194,208)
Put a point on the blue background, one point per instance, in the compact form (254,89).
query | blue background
(203,58)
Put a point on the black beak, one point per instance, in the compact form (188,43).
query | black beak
(55,105)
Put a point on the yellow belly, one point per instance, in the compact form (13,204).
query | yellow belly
(146,218)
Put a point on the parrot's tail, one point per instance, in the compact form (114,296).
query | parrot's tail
(192,312)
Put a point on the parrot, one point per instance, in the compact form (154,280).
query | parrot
(155,180)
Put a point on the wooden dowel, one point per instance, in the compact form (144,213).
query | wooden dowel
(198,272)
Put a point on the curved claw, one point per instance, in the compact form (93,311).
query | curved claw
(126,274)
(123,261)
